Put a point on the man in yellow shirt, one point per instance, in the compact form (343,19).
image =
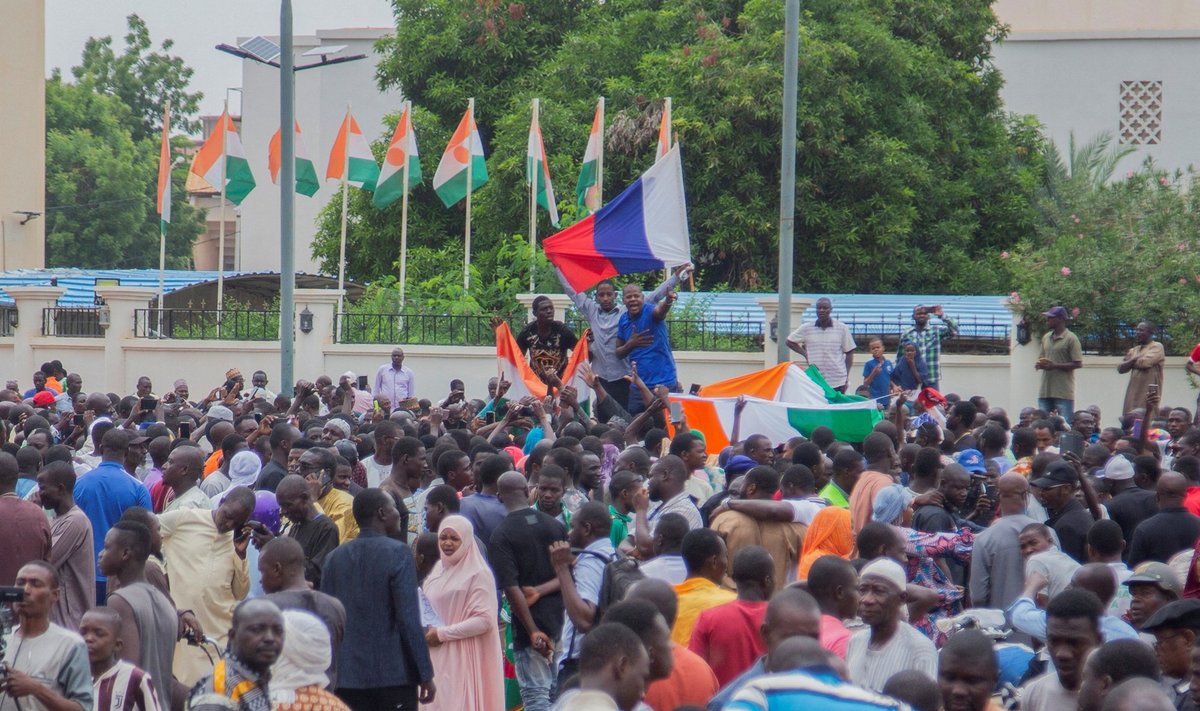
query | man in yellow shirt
(706,559)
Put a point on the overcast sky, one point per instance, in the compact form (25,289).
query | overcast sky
(197,26)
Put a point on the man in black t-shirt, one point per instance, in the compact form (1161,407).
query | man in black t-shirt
(519,554)
(545,340)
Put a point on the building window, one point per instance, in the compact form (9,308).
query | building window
(1141,112)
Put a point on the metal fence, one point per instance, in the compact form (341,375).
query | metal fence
(729,335)
(207,324)
(984,335)
(72,322)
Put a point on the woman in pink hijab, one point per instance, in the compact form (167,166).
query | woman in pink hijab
(464,643)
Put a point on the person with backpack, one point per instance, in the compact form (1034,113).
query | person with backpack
(580,578)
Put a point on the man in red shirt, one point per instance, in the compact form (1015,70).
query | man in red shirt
(728,636)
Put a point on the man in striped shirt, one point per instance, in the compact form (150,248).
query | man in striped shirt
(116,684)
(928,339)
(889,644)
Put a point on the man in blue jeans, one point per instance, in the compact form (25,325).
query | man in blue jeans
(519,553)
(1061,357)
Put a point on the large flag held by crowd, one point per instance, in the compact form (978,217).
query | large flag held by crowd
(780,402)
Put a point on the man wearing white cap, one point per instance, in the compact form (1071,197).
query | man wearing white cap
(1130,504)
(890,645)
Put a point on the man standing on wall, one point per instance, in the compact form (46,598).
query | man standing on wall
(1061,356)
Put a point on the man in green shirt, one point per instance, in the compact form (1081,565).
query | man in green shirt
(621,490)
(847,466)
(1061,356)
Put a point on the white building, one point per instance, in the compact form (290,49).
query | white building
(1090,67)
(23,136)
(322,95)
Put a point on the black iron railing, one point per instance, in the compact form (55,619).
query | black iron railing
(207,324)
(425,329)
(72,322)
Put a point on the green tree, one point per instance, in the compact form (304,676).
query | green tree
(102,145)
(1112,251)
(910,175)
(141,78)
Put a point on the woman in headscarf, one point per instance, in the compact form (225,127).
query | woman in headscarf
(298,678)
(829,534)
(243,471)
(462,591)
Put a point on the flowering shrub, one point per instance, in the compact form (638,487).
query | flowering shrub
(1114,253)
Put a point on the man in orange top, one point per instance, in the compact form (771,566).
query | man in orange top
(706,559)
(880,453)
(691,682)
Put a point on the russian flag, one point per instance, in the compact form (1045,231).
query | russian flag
(642,229)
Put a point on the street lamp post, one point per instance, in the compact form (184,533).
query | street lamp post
(787,174)
(287,178)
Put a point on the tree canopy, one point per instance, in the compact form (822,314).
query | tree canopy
(909,174)
(102,145)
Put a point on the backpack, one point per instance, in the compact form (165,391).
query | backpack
(620,573)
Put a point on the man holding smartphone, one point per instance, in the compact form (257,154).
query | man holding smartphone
(1144,363)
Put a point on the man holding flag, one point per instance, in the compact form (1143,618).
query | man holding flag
(603,313)
(642,338)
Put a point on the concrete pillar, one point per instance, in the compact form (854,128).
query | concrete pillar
(120,303)
(1023,381)
(770,307)
(561,302)
(30,300)
(311,346)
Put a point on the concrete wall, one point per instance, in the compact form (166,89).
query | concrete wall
(23,137)
(1098,15)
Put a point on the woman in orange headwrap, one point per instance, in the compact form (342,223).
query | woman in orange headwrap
(829,534)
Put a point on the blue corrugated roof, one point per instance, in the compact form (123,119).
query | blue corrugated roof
(81,283)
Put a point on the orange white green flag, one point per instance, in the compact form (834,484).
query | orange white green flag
(223,152)
(401,153)
(465,148)
(587,190)
(537,170)
(164,172)
(306,173)
(351,157)
(664,131)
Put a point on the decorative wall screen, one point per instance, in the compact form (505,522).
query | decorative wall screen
(1141,112)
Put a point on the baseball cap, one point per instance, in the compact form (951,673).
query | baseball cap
(739,464)
(43,399)
(1117,468)
(1155,573)
(1175,615)
(1055,312)
(221,413)
(971,460)
(1059,473)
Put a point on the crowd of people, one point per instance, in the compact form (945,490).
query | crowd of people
(384,547)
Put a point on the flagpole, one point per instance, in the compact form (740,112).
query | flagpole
(533,178)
(162,227)
(221,242)
(404,211)
(670,139)
(345,207)
(600,161)
(470,163)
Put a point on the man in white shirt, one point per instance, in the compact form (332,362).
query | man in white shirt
(827,344)
(889,645)
(394,381)
(1072,632)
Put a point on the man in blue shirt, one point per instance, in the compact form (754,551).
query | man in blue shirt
(642,338)
(106,491)
(580,583)
(383,661)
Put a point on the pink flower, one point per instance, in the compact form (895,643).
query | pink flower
(1075,312)
(1004,255)
(1129,174)
(1066,271)
(1183,281)
(1014,297)
(1163,181)
(1182,247)
(1075,219)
